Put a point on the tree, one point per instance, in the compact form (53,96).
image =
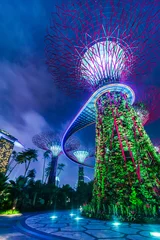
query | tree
(3,190)
(16,189)
(27,157)
(31,174)
(60,168)
(13,159)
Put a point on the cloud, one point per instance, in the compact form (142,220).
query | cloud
(33,123)
(25,88)
(29,99)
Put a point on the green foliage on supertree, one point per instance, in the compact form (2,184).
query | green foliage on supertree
(127,165)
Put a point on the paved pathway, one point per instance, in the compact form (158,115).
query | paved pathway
(9,231)
(61,225)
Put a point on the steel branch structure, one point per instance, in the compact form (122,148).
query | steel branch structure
(91,43)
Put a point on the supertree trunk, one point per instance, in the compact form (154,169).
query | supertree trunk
(52,175)
(127,166)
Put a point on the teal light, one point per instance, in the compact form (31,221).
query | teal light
(72,214)
(78,218)
(116,223)
(53,217)
(155,234)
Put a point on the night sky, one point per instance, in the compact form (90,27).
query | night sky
(29,99)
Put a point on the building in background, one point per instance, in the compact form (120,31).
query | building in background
(7,143)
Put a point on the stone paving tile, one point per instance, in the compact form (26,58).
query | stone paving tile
(73,228)
(77,224)
(99,226)
(47,230)
(35,225)
(74,235)
(56,225)
(151,228)
(125,230)
(111,238)
(63,221)
(137,237)
(96,221)
(146,233)
(104,233)
(47,221)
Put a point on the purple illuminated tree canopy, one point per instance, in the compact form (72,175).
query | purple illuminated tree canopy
(52,141)
(90,44)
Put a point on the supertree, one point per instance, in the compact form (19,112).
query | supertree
(51,141)
(81,155)
(108,48)
(7,143)
(146,105)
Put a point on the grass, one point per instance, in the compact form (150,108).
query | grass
(10,212)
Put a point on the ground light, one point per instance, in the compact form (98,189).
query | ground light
(155,234)
(78,218)
(53,217)
(72,214)
(116,223)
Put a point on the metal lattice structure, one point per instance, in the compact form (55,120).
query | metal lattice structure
(92,43)
(52,141)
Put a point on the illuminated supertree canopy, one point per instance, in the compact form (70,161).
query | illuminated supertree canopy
(106,47)
(81,155)
(91,43)
(51,141)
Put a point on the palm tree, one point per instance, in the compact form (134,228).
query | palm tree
(60,168)
(46,156)
(12,159)
(27,157)
(31,174)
